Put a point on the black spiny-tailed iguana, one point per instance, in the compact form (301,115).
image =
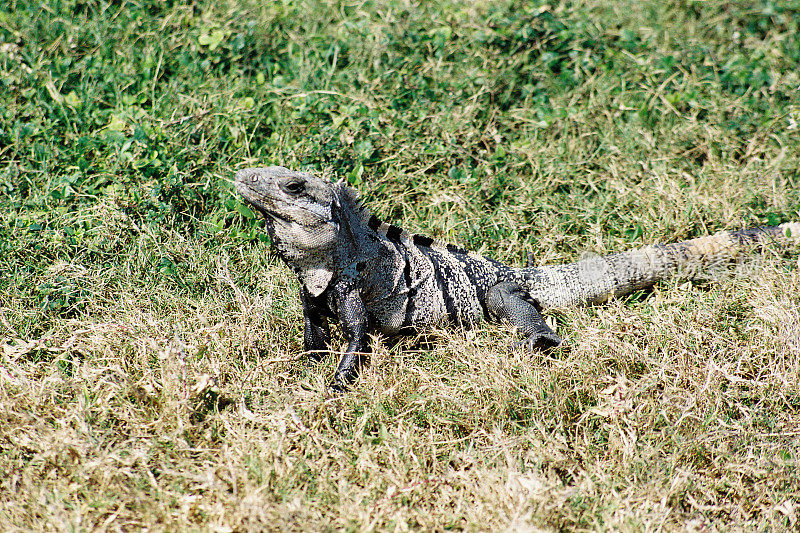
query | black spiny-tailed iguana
(374,276)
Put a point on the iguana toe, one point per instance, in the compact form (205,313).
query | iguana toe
(539,342)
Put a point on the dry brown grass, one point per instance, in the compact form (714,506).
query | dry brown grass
(676,411)
(150,345)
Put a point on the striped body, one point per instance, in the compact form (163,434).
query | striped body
(428,282)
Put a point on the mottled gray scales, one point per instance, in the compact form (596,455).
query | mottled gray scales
(373,276)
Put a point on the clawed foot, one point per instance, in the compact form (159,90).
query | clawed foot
(336,389)
(543,342)
(341,383)
(315,356)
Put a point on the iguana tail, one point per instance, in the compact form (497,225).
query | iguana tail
(597,279)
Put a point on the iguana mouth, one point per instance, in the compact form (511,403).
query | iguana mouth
(249,193)
(265,203)
(256,200)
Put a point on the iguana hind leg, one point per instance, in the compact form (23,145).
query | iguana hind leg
(507,301)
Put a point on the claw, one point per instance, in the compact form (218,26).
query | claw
(313,357)
(341,382)
(543,342)
(336,389)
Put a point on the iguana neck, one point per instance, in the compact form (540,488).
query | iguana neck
(357,242)
(331,259)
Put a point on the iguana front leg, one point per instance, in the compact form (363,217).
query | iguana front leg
(354,321)
(507,301)
(317,335)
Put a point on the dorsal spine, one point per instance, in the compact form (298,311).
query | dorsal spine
(398,234)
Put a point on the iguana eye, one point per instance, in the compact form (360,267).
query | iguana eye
(294,187)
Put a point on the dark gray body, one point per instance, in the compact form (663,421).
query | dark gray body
(415,286)
(373,276)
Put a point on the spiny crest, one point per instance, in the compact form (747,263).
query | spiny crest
(394,233)
(398,234)
(349,196)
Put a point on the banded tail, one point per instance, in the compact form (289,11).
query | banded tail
(595,280)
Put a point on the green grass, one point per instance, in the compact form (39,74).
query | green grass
(149,341)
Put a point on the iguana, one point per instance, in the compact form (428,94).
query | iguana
(373,276)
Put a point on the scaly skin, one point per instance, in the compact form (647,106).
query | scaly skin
(373,276)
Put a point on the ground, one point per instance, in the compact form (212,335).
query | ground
(151,368)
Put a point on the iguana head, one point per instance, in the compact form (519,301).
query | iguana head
(296,199)
(300,213)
